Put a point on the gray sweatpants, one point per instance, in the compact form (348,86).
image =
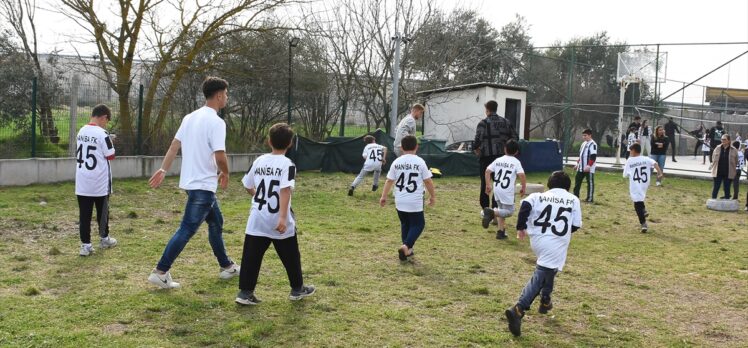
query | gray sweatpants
(360,178)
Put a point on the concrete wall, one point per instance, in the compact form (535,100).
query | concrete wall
(19,172)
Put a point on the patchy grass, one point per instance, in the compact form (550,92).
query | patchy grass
(679,285)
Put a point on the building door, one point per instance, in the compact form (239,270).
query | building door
(512,112)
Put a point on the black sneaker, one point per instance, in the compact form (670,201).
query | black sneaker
(350,191)
(487,217)
(645,228)
(374,188)
(246,298)
(514,318)
(500,234)
(306,290)
(401,255)
(545,306)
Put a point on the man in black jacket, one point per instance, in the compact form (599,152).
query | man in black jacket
(670,129)
(490,136)
(715,137)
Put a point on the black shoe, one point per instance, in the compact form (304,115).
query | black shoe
(487,217)
(514,318)
(500,234)
(725,197)
(674,160)
(306,290)
(645,228)
(246,298)
(350,191)
(545,306)
(646,214)
(401,255)
(374,188)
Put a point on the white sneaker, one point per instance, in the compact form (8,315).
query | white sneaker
(86,249)
(107,243)
(163,281)
(229,272)
(659,183)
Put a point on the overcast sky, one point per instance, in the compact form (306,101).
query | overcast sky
(633,21)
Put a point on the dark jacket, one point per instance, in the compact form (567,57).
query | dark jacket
(671,127)
(491,135)
(656,149)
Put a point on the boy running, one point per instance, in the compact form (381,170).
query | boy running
(503,172)
(638,169)
(552,217)
(271,180)
(409,174)
(585,167)
(93,178)
(374,158)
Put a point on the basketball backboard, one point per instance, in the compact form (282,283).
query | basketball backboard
(641,67)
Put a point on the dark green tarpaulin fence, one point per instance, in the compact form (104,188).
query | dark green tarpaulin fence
(344,155)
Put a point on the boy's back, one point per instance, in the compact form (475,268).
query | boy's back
(639,171)
(374,154)
(268,175)
(549,225)
(408,172)
(505,170)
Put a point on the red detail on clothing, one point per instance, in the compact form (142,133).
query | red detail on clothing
(92,124)
(590,163)
(110,158)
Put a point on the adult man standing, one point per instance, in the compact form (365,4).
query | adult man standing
(490,136)
(670,129)
(715,137)
(202,139)
(407,126)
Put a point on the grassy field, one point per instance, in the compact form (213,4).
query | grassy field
(683,284)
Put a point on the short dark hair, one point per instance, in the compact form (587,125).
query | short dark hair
(491,106)
(719,123)
(587,131)
(736,144)
(635,148)
(213,85)
(637,117)
(409,143)
(280,136)
(369,139)
(559,179)
(511,147)
(101,110)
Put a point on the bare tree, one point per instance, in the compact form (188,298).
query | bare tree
(20,15)
(172,46)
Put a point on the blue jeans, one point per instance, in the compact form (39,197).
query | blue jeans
(540,283)
(411,226)
(719,181)
(201,206)
(660,159)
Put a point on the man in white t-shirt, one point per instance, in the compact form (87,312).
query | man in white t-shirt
(638,169)
(93,178)
(409,174)
(585,167)
(270,181)
(407,126)
(202,139)
(549,218)
(503,173)
(375,156)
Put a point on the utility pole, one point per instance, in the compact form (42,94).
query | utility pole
(396,80)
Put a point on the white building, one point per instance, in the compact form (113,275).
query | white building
(452,113)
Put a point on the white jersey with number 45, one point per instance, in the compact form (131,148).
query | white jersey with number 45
(93,176)
(505,170)
(639,171)
(552,215)
(268,175)
(374,155)
(408,172)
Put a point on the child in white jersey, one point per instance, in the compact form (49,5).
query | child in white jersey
(270,181)
(585,167)
(93,178)
(638,169)
(375,156)
(409,174)
(503,173)
(549,218)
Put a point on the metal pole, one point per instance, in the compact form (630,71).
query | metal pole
(621,100)
(73,127)
(140,121)
(657,73)
(395,84)
(289,84)
(34,87)
(567,114)
(341,133)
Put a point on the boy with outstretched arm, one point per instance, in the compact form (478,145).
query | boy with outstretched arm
(270,181)
(409,174)
(638,169)
(549,218)
(374,158)
(503,172)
